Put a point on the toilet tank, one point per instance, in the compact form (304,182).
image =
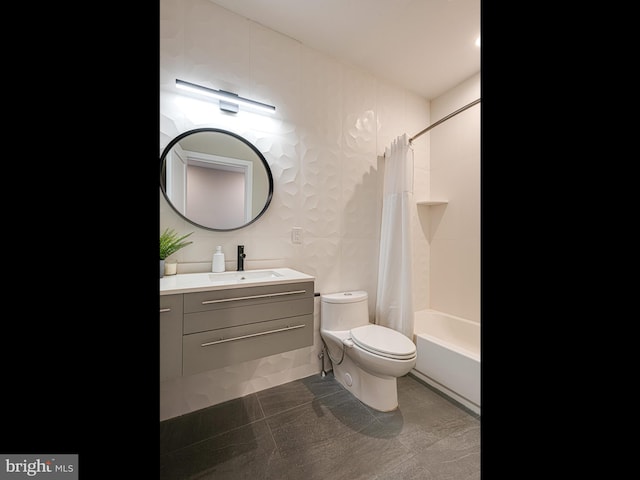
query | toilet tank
(344,310)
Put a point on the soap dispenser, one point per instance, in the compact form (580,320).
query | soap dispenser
(218,260)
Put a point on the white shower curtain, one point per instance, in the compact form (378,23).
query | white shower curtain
(394,303)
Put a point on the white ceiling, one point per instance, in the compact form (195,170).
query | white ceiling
(426,46)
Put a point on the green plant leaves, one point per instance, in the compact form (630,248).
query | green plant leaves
(170,242)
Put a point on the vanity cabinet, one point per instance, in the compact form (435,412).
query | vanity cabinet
(171,315)
(229,326)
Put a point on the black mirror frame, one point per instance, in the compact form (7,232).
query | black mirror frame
(171,144)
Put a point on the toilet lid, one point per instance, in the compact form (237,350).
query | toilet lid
(383,341)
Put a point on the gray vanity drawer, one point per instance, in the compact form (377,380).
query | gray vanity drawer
(229,317)
(218,348)
(170,336)
(235,325)
(245,296)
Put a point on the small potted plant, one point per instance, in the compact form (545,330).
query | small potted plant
(170,243)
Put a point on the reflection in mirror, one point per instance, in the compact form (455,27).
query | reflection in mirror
(215,179)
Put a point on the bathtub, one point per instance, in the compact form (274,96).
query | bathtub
(449,355)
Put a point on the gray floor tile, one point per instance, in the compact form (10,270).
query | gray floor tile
(193,427)
(422,418)
(455,457)
(315,429)
(293,394)
(412,469)
(240,453)
(325,419)
(411,385)
(354,456)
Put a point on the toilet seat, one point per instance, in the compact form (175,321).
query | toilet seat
(383,341)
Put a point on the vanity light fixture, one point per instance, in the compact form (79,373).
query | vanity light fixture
(229,101)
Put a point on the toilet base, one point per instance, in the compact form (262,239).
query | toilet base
(379,393)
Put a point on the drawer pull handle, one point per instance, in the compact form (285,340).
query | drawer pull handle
(224,340)
(266,295)
(164,310)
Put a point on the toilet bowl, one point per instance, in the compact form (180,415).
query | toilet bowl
(367,359)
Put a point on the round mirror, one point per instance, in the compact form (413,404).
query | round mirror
(215,179)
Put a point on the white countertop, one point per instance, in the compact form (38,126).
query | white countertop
(202,282)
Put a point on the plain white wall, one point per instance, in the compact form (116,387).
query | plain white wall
(453,230)
(324,146)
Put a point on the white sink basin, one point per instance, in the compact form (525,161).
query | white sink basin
(242,276)
(194,282)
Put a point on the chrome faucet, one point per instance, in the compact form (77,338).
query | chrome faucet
(241,256)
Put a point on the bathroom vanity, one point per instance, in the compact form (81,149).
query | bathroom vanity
(211,320)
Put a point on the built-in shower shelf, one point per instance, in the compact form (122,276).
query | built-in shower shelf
(433,202)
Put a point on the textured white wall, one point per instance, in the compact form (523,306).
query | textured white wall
(324,146)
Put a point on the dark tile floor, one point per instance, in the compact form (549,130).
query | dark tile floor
(314,428)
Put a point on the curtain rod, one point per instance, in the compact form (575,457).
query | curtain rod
(444,119)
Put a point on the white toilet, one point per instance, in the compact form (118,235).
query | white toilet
(367,359)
